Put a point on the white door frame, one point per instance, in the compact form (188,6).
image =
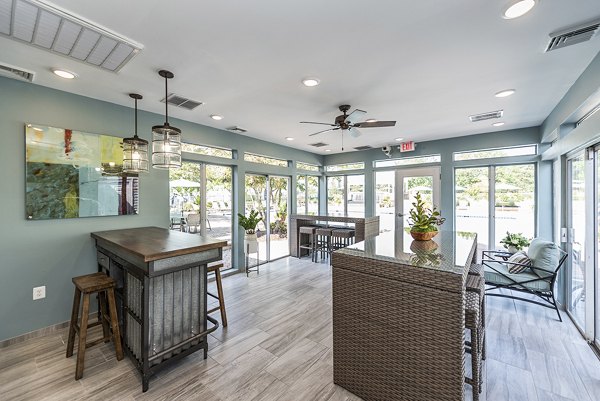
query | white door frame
(433,171)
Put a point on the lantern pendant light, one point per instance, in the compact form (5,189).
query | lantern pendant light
(166,140)
(135,150)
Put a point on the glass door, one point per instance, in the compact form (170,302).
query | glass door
(576,220)
(409,182)
(269,195)
(472,203)
(278,217)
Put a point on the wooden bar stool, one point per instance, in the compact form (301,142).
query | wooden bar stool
(310,245)
(105,287)
(219,297)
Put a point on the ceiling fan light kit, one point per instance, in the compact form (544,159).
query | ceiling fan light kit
(350,122)
(166,139)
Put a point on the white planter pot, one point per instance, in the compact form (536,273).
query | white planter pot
(512,249)
(250,243)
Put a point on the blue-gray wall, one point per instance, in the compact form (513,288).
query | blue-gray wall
(51,252)
(446,148)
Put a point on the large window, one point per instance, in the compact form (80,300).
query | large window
(254,158)
(307,195)
(210,215)
(385,195)
(307,166)
(207,150)
(346,195)
(345,167)
(528,150)
(408,161)
(490,208)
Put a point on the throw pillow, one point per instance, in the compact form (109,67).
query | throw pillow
(544,255)
(521,258)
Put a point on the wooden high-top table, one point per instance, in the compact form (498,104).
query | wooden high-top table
(161,292)
(399,316)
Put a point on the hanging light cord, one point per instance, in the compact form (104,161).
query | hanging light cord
(166,103)
(136,118)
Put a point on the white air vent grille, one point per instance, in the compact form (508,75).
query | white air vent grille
(182,102)
(573,35)
(364,147)
(237,129)
(486,116)
(16,73)
(47,27)
(318,144)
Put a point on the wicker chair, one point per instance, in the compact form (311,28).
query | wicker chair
(536,280)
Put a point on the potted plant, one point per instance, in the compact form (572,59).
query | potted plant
(249,224)
(514,242)
(423,221)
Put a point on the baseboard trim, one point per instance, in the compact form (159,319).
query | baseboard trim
(38,333)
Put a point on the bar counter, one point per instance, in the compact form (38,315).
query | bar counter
(161,292)
(398,316)
(364,227)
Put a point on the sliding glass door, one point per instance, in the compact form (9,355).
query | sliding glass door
(269,195)
(200,202)
(410,182)
(492,200)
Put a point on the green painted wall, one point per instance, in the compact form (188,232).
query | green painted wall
(50,253)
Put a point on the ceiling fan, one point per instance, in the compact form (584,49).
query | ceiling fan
(350,122)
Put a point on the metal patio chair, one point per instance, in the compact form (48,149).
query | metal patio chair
(535,280)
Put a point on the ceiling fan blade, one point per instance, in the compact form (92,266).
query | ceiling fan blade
(320,132)
(312,122)
(354,133)
(375,124)
(355,116)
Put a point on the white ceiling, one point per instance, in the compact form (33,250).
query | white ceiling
(428,64)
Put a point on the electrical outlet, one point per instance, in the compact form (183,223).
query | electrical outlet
(39,292)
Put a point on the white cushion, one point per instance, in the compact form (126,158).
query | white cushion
(521,258)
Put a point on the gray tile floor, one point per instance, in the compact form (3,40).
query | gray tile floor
(278,347)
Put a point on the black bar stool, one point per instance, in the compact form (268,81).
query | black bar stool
(323,241)
(341,238)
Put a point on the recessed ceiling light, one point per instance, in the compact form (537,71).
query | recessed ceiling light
(64,74)
(517,8)
(371,120)
(399,139)
(216,117)
(289,138)
(311,82)
(499,124)
(505,93)
(327,150)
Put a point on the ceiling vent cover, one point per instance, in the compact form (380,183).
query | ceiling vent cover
(47,27)
(573,35)
(237,129)
(16,73)
(182,102)
(486,116)
(318,144)
(364,147)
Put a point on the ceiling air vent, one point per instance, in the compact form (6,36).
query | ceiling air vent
(364,147)
(16,73)
(573,35)
(486,116)
(47,27)
(182,102)
(318,144)
(237,129)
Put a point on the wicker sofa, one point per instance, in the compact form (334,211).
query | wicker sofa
(537,279)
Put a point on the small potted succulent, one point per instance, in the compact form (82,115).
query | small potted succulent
(424,221)
(514,242)
(249,223)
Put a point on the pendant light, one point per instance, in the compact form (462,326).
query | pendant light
(135,150)
(166,140)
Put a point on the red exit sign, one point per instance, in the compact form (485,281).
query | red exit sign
(407,146)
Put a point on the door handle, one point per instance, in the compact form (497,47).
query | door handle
(400,214)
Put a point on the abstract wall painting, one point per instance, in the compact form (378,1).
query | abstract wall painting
(73,174)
